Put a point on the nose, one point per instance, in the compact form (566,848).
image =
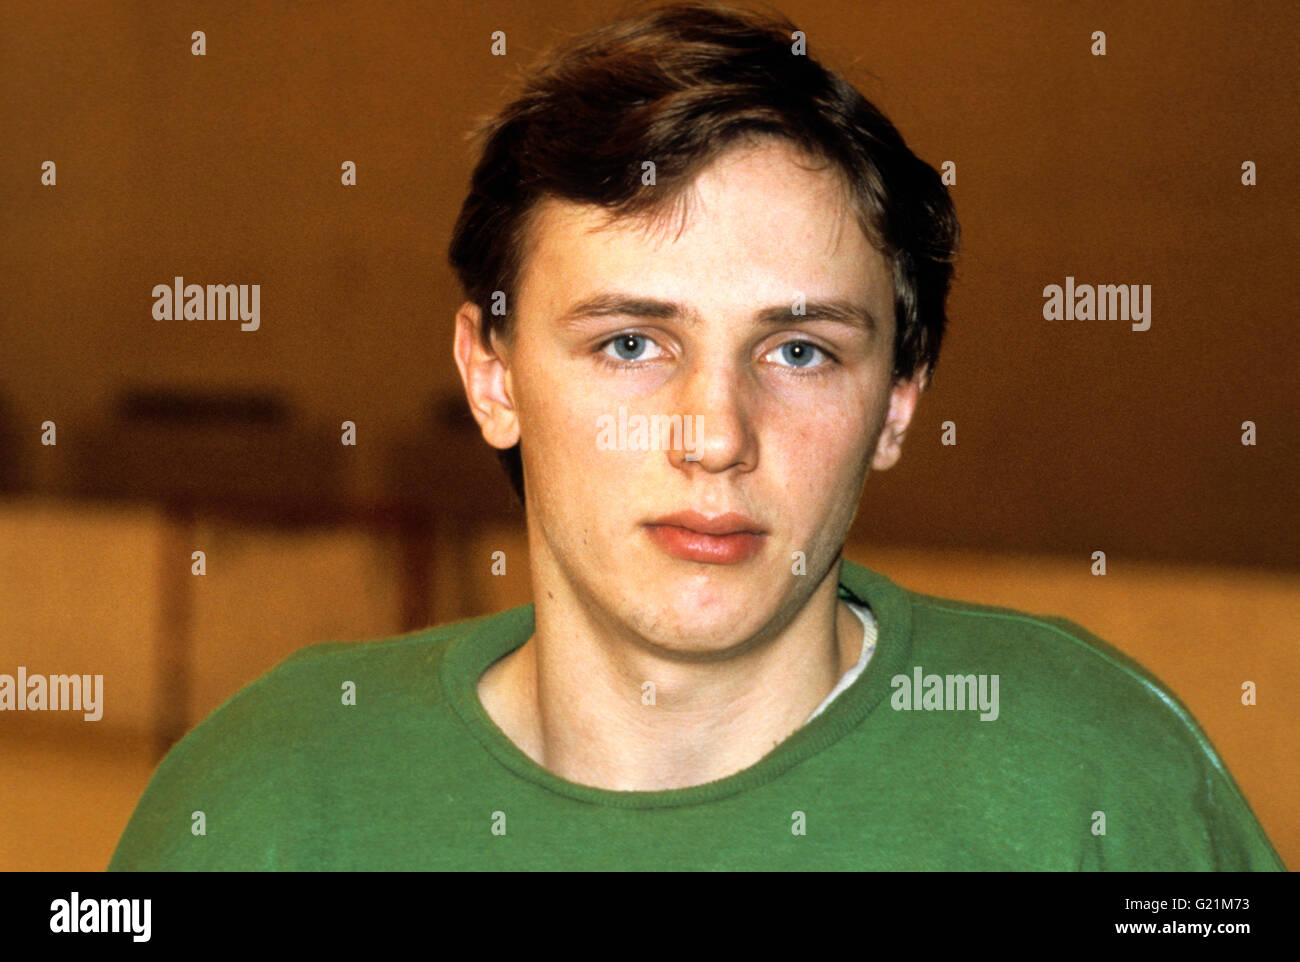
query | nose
(716,401)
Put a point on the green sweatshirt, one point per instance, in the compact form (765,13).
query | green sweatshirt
(978,738)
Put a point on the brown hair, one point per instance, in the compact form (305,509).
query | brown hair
(678,85)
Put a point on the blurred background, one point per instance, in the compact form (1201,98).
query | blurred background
(180,436)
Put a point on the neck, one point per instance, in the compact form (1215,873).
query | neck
(575,696)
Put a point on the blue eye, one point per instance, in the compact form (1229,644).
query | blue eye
(799,353)
(628,347)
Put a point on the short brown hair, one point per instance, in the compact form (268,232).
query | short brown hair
(678,84)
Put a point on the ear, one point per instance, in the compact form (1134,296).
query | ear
(903,397)
(486,376)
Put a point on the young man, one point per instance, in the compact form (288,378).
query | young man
(705,287)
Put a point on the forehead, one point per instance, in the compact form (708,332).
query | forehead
(760,224)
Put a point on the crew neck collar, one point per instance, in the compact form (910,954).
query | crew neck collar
(469,655)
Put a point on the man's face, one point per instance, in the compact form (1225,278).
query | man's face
(788,408)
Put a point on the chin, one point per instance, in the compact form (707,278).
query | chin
(696,638)
(716,608)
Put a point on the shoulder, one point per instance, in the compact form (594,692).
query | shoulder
(301,696)
(1044,655)
(245,775)
(1055,653)
(1054,673)
(1116,727)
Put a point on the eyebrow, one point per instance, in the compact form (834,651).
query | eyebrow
(610,303)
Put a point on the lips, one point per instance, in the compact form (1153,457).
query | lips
(724,539)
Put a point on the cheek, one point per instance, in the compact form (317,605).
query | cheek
(559,421)
(823,467)
(822,475)
(816,449)
(551,413)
